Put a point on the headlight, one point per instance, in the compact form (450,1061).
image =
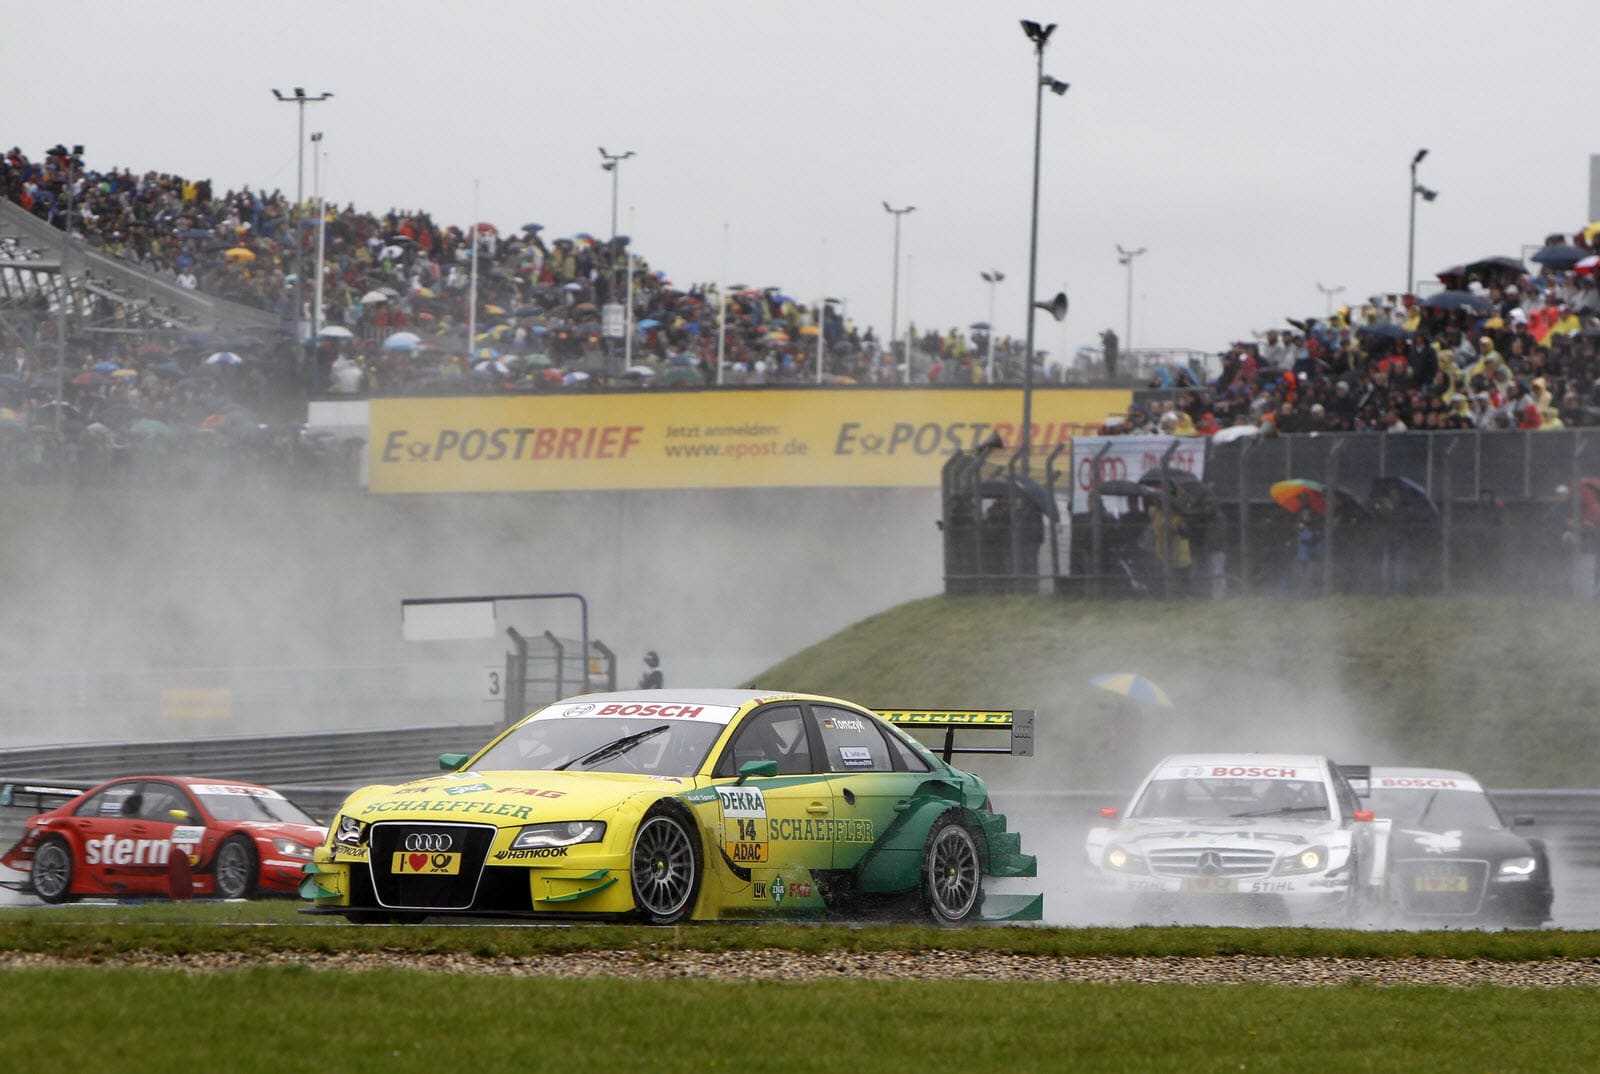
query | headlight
(561,833)
(1309,860)
(350,832)
(1119,860)
(1516,869)
(288,848)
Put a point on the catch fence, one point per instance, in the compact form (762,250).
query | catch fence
(1411,513)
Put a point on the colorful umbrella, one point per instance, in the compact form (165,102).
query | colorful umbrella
(1133,687)
(1297,493)
(239,253)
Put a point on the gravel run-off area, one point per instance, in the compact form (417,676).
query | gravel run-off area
(884,966)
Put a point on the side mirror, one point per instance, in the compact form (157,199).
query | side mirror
(450,762)
(179,815)
(757,768)
(1365,816)
(1108,812)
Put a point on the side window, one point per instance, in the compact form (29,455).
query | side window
(160,799)
(114,801)
(773,734)
(907,758)
(852,741)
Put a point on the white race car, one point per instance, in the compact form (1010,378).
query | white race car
(1266,836)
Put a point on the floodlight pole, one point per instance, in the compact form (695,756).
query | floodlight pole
(64,290)
(1040,36)
(1411,239)
(609,162)
(991,277)
(1126,258)
(300,99)
(316,187)
(1328,293)
(894,298)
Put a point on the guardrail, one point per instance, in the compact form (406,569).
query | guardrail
(317,770)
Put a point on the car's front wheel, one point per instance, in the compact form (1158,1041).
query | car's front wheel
(52,870)
(666,866)
(952,872)
(235,868)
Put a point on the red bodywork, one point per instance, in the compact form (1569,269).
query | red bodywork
(122,833)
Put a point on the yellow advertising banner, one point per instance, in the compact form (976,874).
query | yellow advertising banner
(788,438)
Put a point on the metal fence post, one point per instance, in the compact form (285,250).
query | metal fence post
(1330,515)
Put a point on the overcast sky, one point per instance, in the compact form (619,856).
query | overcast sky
(1254,149)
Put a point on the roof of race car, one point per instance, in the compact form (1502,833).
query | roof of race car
(203,784)
(706,705)
(1422,779)
(1242,765)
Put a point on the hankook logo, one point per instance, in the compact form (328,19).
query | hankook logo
(429,842)
(1210,863)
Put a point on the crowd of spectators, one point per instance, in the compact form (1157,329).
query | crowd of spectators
(1498,348)
(396,288)
(1503,346)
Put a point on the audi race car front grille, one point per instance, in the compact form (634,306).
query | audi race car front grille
(1218,862)
(1445,886)
(427,866)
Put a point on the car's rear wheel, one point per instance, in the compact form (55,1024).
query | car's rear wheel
(52,870)
(236,869)
(666,865)
(952,872)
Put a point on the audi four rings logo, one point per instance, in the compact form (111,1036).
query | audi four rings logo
(430,842)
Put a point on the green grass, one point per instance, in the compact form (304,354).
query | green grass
(292,1018)
(103,932)
(1505,689)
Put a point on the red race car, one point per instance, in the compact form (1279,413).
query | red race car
(164,836)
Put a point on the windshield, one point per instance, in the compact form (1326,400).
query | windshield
(261,807)
(1435,808)
(1215,798)
(649,745)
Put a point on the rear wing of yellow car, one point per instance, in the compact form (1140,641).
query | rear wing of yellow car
(987,724)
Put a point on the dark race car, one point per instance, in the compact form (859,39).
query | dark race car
(1452,854)
(163,836)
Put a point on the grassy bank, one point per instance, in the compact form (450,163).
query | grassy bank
(1507,689)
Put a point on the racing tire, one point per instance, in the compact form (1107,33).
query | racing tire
(52,870)
(235,869)
(952,872)
(666,865)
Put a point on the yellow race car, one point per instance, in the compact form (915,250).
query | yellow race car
(666,806)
